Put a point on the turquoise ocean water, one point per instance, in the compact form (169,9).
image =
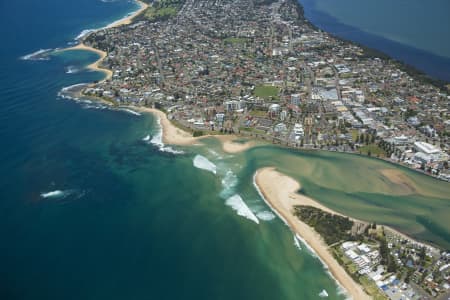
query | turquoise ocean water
(91,209)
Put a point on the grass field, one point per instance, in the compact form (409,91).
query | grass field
(162,9)
(374,150)
(233,40)
(267,92)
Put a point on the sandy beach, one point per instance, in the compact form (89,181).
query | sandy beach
(127,20)
(280,192)
(171,134)
(176,136)
(95,66)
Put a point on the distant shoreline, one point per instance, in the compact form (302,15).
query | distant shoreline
(95,66)
(409,68)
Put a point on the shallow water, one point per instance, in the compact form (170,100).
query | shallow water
(92,206)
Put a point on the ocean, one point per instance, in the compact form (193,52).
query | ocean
(93,207)
(410,31)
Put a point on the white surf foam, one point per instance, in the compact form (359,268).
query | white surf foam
(241,208)
(72,70)
(146,138)
(130,111)
(52,194)
(70,87)
(229,182)
(37,55)
(84,33)
(310,249)
(297,242)
(265,215)
(323,294)
(62,194)
(203,163)
(157,140)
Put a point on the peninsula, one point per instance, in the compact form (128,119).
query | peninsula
(261,70)
(258,69)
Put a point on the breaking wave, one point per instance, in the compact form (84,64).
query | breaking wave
(84,33)
(72,70)
(297,242)
(157,140)
(61,194)
(130,111)
(146,138)
(229,182)
(241,208)
(203,163)
(265,215)
(41,54)
(54,194)
(323,294)
(310,249)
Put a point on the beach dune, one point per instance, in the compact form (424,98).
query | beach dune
(280,191)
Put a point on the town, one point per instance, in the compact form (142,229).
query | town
(388,264)
(260,69)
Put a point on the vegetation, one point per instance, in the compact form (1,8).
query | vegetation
(266,92)
(233,40)
(372,150)
(161,10)
(333,228)
(197,133)
(387,259)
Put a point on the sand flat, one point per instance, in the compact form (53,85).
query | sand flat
(406,185)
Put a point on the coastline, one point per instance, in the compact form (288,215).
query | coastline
(176,136)
(279,192)
(95,66)
(229,146)
(417,70)
(128,19)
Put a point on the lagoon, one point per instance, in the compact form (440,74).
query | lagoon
(412,31)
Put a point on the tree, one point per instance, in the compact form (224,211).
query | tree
(422,255)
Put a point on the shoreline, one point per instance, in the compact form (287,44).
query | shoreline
(175,136)
(279,192)
(95,66)
(227,147)
(409,68)
(128,19)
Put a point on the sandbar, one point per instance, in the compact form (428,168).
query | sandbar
(280,191)
(397,177)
